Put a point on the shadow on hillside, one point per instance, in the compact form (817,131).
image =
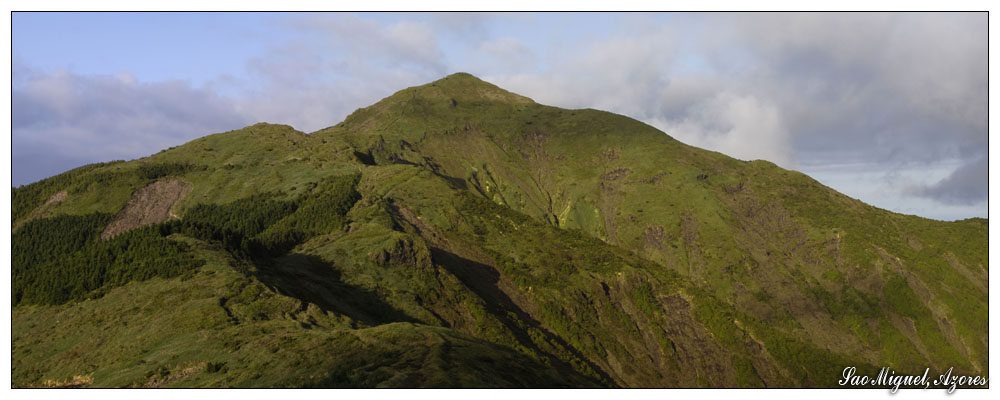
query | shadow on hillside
(484,281)
(453,182)
(311,279)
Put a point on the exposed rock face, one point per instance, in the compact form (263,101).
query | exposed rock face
(147,206)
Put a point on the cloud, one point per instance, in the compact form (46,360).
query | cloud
(741,126)
(472,26)
(620,74)
(336,63)
(508,54)
(967,185)
(62,120)
(900,86)
(409,44)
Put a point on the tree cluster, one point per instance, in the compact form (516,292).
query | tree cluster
(61,259)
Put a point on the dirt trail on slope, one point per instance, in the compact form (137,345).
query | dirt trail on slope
(147,206)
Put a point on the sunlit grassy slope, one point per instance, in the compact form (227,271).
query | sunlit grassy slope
(458,235)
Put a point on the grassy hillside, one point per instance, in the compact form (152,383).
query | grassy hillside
(218,327)
(458,235)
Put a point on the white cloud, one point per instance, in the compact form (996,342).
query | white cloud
(741,126)
(508,55)
(337,63)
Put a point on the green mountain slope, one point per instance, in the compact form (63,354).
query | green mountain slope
(456,234)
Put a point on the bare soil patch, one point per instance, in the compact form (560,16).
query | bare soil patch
(56,198)
(147,206)
(42,211)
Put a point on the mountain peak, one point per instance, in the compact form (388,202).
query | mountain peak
(460,75)
(464,86)
(456,90)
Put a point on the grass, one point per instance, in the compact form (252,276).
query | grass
(255,338)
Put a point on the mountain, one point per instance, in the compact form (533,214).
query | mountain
(458,235)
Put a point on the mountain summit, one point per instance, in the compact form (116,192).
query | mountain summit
(458,235)
(462,86)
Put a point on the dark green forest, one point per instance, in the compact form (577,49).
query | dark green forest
(61,258)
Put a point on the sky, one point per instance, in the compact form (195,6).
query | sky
(889,108)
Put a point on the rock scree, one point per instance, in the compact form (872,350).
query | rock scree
(147,206)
